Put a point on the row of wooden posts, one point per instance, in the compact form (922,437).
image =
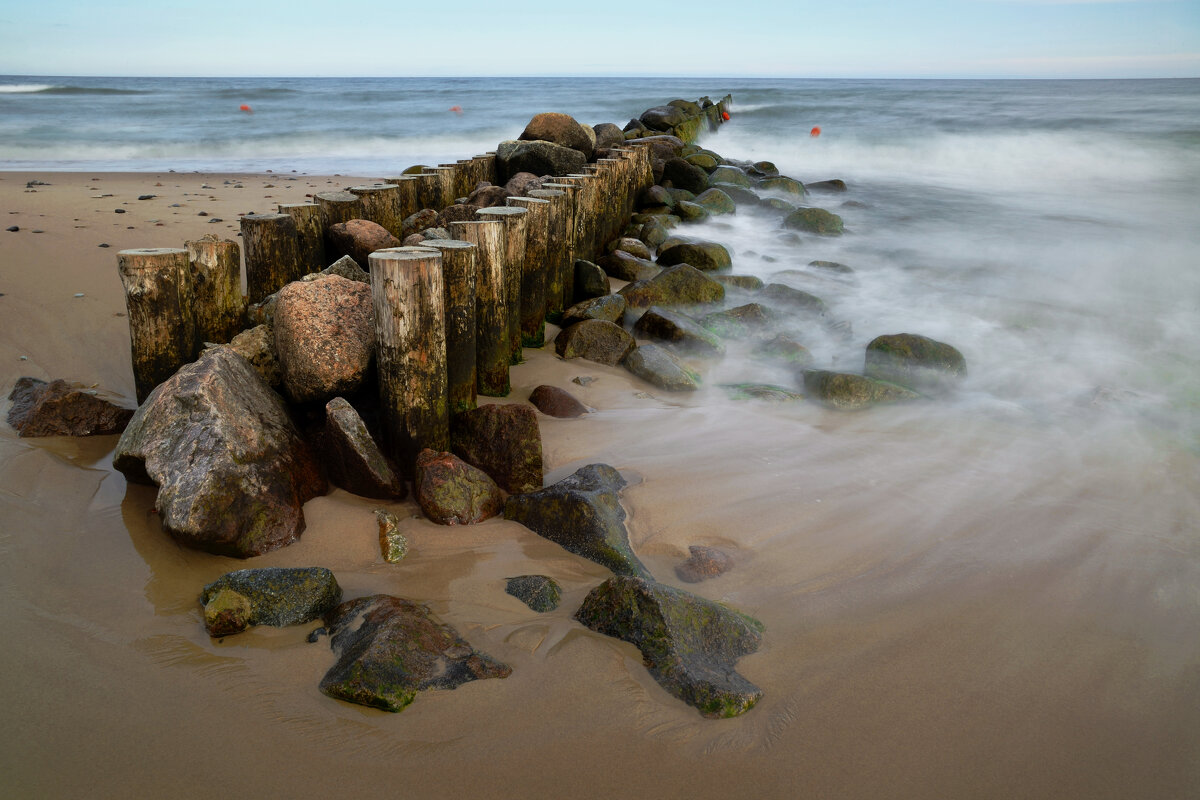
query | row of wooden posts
(450,316)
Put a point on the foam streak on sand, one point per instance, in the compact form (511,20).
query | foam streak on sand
(958,602)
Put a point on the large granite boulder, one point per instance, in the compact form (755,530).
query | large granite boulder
(388,649)
(538,157)
(689,644)
(658,366)
(561,129)
(608,136)
(916,362)
(59,409)
(452,492)
(814,220)
(680,285)
(848,392)
(351,457)
(707,256)
(582,513)
(358,238)
(232,470)
(679,329)
(662,146)
(277,596)
(504,441)
(596,340)
(324,337)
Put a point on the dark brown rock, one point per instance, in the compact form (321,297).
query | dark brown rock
(590,281)
(58,409)
(609,307)
(324,337)
(502,440)
(452,492)
(596,340)
(555,402)
(679,329)
(489,196)
(459,212)
(662,118)
(389,649)
(358,238)
(627,267)
(561,129)
(682,175)
(415,223)
(352,459)
(608,136)
(703,563)
(663,146)
(538,157)
(231,469)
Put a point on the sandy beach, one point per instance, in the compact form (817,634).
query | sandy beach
(954,606)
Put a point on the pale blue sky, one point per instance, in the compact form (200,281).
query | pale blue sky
(827,38)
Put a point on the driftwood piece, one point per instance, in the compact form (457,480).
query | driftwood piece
(162,325)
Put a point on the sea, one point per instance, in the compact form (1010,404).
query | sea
(989,594)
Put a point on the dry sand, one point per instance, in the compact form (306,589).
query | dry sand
(953,607)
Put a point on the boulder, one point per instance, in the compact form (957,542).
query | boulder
(417,222)
(538,157)
(257,345)
(748,282)
(680,285)
(626,267)
(654,233)
(703,563)
(847,392)
(704,161)
(738,322)
(662,147)
(555,402)
(590,281)
(596,340)
(689,644)
(633,247)
(459,212)
(59,409)
(760,391)
(917,362)
(679,329)
(692,212)
(777,204)
(358,238)
(539,592)
(738,195)
(706,256)
(324,337)
(663,118)
(716,201)
(582,513)
(814,220)
(489,196)
(783,185)
(834,185)
(680,174)
(731,176)
(784,348)
(388,649)
(276,596)
(658,366)
(689,108)
(232,470)
(608,136)
(452,492)
(345,267)
(609,307)
(560,129)
(352,459)
(393,545)
(763,169)
(653,196)
(780,294)
(502,440)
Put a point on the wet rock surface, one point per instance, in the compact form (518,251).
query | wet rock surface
(452,492)
(277,596)
(352,459)
(660,367)
(679,329)
(388,649)
(703,563)
(539,592)
(848,392)
(555,402)
(502,440)
(916,362)
(689,644)
(59,409)
(596,340)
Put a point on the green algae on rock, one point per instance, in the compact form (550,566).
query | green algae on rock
(539,592)
(689,644)
(916,362)
(657,365)
(393,545)
(814,220)
(389,649)
(277,596)
(848,392)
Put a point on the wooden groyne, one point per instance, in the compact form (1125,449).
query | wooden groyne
(450,315)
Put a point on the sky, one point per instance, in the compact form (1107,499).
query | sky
(702,38)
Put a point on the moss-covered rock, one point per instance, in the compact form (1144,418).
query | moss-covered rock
(716,201)
(848,392)
(761,391)
(814,220)
(783,185)
(763,169)
(539,592)
(654,233)
(626,267)
(779,204)
(504,441)
(680,174)
(703,160)
(452,492)
(653,196)
(582,513)
(831,266)
(590,281)
(780,294)
(393,544)
(748,282)
(689,644)
(679,329)
(635,247)
(692,212)
(596,340)
(274,596)
(388,649)
(680,285)
(738,194)
(705,256)
(658,366)
(836,186)
(738,322)
(914,361)
(610,307)
(731,176)
(786,349)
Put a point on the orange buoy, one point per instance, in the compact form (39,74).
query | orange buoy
(456,109)
(815,132)
(725,116)
(246,108)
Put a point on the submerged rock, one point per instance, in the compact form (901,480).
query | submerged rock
(539,592)
(277,596)
(389,649)
(582,513)
(706,256)
(916,362)
(784,348)
(760,391)
(502,440)
(679,329)
(738,322)
(847,392)
(794,299)
(555,402)
(59,409)
(689,644)
(703,563)
(814,220)
(452,492)
(657,365)
(353,460)
(232,470)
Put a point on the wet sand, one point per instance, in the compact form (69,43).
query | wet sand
(955,605)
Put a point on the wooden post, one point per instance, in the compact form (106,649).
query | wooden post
(567,276)
(558,250)
(337,207)
(380,204)
(310,227)
(458,278)
(410,350)
(429,191)
(215,271)
(487,167)
(612,172)
(585,214)
(445,191)
(514,220)
(272,246)
(533,270)
(158,299)
(492,352)
(406,195)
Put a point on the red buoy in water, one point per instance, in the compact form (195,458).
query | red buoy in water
(456,109)
(725,116)
(815,132)
(246,108)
